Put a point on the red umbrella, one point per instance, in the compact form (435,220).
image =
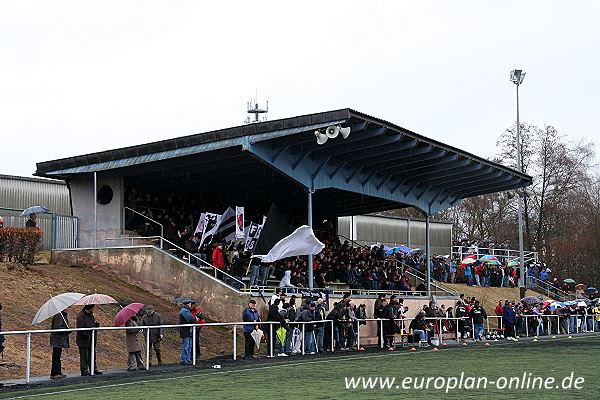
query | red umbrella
(127,312)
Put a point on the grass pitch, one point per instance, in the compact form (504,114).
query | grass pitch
(313,377)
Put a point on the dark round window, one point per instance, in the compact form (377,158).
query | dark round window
(105,195)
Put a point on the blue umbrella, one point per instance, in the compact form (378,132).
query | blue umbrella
(591,290)
(35,210)
(397,249)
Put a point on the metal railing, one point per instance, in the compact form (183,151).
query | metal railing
(418,275)
(505,254)
(580,324)
(548,289)
(162,229)
(206,264)
(574,324)
(350,291)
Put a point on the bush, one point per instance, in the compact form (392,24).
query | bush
(19,245)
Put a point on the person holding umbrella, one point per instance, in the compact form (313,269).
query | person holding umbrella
(86,319)
(250,314)
(134,346)
(152,318)
(58,341)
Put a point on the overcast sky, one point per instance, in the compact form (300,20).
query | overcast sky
(81,76)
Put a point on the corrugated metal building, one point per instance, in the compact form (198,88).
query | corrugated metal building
(19,192)
(394,231)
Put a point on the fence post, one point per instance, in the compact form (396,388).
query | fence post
(54,230)
(473,329)
(194,345)
(147,349)
(271,340)
(526,326)
(234,342)
(381,331)
(93,353)
(303,337)
(28,367)
(501,327)
(358,336)
(332,338)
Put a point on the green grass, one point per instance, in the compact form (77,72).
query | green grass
(323,378)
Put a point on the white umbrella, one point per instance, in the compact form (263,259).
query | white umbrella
(55,305)
(96,298)
(257,334)
(35,210)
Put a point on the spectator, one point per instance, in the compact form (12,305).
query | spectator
(31,221)
(86,319)
(250,314)
(254,271)
(218,260)
(185,332)
(152,318)
(306,316)
(478,315)
(286,280)
(508,318)
(319,326)
(199,315)
(58,341)
(461,313)
(134,347)
(419,327)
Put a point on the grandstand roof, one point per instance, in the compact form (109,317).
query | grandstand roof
(379,166)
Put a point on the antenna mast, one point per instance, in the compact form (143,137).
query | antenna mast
(254,109)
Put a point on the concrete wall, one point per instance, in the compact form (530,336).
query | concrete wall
(163,275)
(109,215)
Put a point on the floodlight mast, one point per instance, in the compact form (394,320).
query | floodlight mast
(516,77)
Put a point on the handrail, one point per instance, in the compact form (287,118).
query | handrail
(132,238)
(162,229)
(549,288)
(510,254)
(434,283)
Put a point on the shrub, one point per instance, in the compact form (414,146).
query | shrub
(19,245)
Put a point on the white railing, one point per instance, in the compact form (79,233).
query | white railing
(506,254)
(573,324)
(548,289)
(162,229)
(580,322)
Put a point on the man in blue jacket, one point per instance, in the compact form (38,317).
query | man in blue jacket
(508,318)
(250,314)
(185,333)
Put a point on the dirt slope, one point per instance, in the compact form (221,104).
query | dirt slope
(24,290)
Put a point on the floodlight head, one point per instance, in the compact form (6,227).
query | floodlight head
(517,76)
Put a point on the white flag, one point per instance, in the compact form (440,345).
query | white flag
(239,223)
(301,242)
(211,225)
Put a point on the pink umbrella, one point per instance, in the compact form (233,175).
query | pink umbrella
(127,312)
(96,298)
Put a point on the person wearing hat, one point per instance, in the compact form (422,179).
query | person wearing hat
(185,332)
(86,319)
(218,260)
(152,318)
(199,315)
(250,314)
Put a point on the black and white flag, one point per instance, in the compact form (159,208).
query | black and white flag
(227,226)
(200,226)
(211,226)
(252,237)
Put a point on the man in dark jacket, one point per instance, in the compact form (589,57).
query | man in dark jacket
(319,326)
(461,313)
(380,305)
(58,341)
(185,332)
(86,319)
(508,317)
(308,315)
(250,314)
(152,318)
(478,315)
(390,312)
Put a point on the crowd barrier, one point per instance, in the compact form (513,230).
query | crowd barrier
(580,323)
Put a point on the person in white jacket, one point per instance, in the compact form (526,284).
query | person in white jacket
(286,280)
